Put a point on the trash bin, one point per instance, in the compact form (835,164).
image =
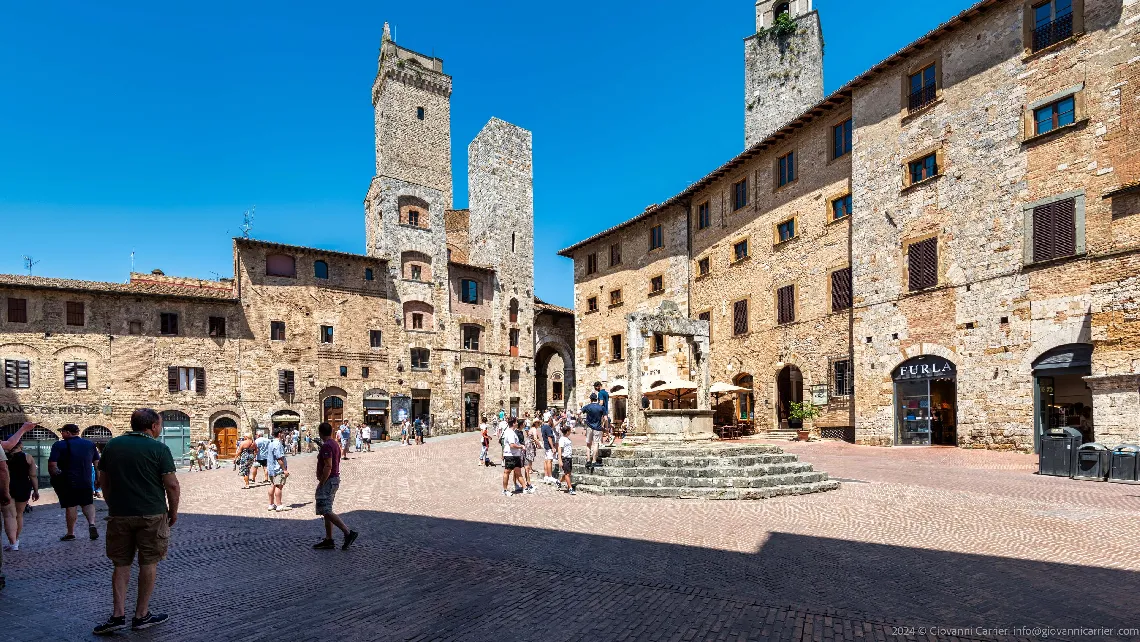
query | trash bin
(1125,466)
(1092,462)
(1059,452)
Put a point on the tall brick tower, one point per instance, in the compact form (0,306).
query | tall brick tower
(783,66)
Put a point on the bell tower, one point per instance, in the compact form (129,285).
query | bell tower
(783,66)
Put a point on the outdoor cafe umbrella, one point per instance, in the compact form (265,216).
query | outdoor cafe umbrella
(675,389)
(622,388)
(718,389)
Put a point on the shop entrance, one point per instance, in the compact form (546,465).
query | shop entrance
(225,437)
(470,411)
(926,402)
(376,413)
(790,386)
(1062,397)
(421,404)
(176,434)
(37,442)
(334,410)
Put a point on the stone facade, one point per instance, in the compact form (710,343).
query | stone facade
(437,318)
(783,72)
(987,302)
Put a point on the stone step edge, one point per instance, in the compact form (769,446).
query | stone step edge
(785,479)
(712,493)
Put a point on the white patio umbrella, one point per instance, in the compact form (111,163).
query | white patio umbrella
(676,389)
(718,389)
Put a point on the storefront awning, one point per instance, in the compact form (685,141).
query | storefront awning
(286,419)
(1075,358)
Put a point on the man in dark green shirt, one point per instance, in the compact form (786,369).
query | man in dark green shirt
(137,476)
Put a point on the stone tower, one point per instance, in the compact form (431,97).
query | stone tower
(783,66)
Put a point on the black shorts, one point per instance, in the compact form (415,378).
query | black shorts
(511,463)
(70,497)
(264,463)
(567,465)
(22,494)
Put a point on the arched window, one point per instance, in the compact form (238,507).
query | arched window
(321,270)
(781,9)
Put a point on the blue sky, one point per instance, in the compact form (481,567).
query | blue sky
(152,126)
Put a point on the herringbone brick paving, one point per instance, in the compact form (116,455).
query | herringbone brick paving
(914,539)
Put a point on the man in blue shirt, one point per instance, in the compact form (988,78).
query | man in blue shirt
(278,472)
(594,413)
(70,467)
(603,396)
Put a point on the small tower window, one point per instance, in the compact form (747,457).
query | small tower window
(420,110)
(781,9)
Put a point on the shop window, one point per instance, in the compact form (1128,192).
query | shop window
(841,290)
(326,334)
(75,313)
(168,323)
(1052,23)
(471,337)
(469,291)
(841,208)
(740,317)
(420,358)
(704,218)
(745,400)
(280,265)
(657,284)
(922,264)
(786,304)
(592,352)
(277,330)
(740,194)
(1055,115)
(216,326)
(180,379)
(786,169)
(375,339)
(17,373)
(616,347)
(656,237)
(592,304)
(786,230)
(17,310)
(841,139)
(925,402)
(923,87)
(285,382)
(320,269)
(592,263)
(615,254)
(615,298)
(75,375)
(704,266)
(740,250)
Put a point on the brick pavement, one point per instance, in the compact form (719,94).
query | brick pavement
(908,541)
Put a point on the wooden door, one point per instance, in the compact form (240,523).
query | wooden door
(334,410)
(226,440)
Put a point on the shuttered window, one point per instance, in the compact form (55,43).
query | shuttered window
(74,313)
(786,304)
(841,290)
(1054,230)
(922,263)
(285,382)
(740,317)
(17,373)
(75,375)
(186,379)
(591,263)
(17,310)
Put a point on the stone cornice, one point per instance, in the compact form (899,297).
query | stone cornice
(413,75)
(1114,381)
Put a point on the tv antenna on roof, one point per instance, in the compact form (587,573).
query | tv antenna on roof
(247,222)
(28,263)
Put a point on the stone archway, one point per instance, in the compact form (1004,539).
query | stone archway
(544,381)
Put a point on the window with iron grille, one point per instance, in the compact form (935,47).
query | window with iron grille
(592,352)
(420,358)
(923,168)
(277,330)
(75,375)
(75,313)
(515,378)
(181,379)
(922,263)
(592,304)
(320,269)
(786,231)
(841,139)
(216,326)
(556,391)
(841,290)
(740,317)
(168,323)
(374,339)
(17,310)
(657,285)
(471,337)
(591,263)
(786,304)
(786,169)
(1052,23)
(658,342)
(841,208)
(615,298)
(704,218)
(17,373)
(842,378)
(707,316)
(326,334)
(469,289)
(656,237)
(615,254)
(1054,230)
(704,266)
(740,194)
(923,88)
(615,347)
(740,250)
(1054,115)
(285,382)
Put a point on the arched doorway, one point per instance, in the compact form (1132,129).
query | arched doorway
(176,434)
(225,436)
(37,442)
(471,411)
(1062,398)
(789,390)
(926,402)
(334,410)
(286,419)
(745,400)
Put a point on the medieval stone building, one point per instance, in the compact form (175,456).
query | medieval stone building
(437,319)
(943,251)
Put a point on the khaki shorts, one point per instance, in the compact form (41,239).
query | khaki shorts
(149,535)
(278,480)
(326,494)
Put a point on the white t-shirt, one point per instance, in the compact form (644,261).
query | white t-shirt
(509,437)
(566,446)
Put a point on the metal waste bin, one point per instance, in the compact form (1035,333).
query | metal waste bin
(1058,455)
(1125,466)
(1092,462)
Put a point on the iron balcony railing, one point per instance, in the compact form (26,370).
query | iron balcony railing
(923,97)
(1053,32)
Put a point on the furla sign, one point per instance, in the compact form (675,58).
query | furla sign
(925,368)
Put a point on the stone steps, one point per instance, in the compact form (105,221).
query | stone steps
(759,470)
(690,462)
(762,481)
(704,450)
(712,492)
(780,435)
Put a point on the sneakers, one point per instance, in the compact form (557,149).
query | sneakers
(529,490)
(572,492)
(324,545)
(283,508)
(349,539)
(506,493)
(111,625)
(92,532)
(272,507)
(12,547)
(147,621)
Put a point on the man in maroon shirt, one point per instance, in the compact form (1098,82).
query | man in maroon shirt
(328,481)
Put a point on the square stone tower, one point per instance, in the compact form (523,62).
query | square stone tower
(783,66)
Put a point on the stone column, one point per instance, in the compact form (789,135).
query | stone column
(634,415)
(701,354)
(1116,408)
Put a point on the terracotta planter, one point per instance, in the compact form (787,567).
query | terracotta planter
(803,435)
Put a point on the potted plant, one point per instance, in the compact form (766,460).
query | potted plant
(805,411)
